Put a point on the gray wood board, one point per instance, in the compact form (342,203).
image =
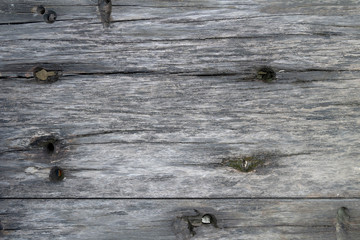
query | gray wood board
(166,136)
(194,37)
(162,219)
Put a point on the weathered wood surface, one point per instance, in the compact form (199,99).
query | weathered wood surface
(151,107)
(162,219)
(142,136)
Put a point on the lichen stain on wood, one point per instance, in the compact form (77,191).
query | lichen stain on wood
(342,224)
(251,163)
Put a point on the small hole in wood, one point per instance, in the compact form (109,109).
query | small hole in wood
(56,174)
(50,147)
(50,16)
(40,10)
(266,74)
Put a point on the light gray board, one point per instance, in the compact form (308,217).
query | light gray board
(165,135)
(202,37)
(154,219)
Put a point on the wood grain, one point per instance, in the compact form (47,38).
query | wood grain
(145,113)
(155,219)
(194,37)
(141,136)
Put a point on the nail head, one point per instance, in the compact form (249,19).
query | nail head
(56,174)
(50,16)
(206,219)
(43,75)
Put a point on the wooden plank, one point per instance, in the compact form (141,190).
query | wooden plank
(202,37)
(169,219)
(156,136)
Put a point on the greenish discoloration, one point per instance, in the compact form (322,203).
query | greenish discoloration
(266,74)
(249,163)
(342,223)
(343,215)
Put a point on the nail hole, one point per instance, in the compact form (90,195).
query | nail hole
(50,16)
(40,9)
(50,147)
(266,74)
(56,174)
(50,144)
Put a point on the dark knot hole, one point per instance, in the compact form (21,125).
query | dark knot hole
(50,147)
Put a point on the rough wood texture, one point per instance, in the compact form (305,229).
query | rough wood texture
(152,106)
(157,219)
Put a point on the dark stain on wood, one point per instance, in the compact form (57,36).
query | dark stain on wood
(342,223)
(40,9)
(51,144)
(266,74)
(182,228)
(105,8)
(186,225)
